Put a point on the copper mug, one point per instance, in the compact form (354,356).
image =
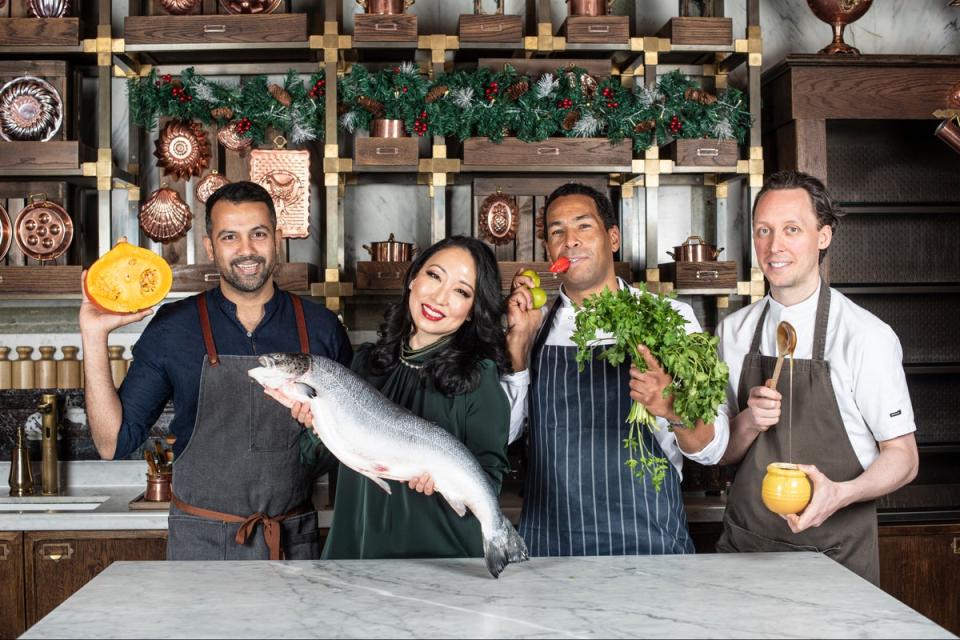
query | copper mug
(590,7)
(385,7)
(159,488)
(387,128)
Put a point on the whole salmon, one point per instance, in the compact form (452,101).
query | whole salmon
(381,440)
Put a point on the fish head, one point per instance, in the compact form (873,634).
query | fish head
(285,376)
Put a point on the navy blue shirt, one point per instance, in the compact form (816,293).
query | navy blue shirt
(168,357)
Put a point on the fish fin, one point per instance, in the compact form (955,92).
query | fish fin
(378,481)
(503,547)
(306,390)
(456,505)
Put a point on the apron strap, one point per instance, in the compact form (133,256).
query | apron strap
(823,314)
(758,332)
(207,332)
(301,323)
(543,332)
(271,526)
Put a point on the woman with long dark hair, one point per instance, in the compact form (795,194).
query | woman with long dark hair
(440,354)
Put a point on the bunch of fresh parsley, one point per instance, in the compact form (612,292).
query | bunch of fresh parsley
(699,376)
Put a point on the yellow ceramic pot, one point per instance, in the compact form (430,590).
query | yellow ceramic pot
(785,488)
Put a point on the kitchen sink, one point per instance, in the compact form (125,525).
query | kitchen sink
(52,503)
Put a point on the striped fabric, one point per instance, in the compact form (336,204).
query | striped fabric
(580,497)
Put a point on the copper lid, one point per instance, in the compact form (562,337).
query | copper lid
(43,229)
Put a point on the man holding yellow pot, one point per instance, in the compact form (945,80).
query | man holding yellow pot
(852,421)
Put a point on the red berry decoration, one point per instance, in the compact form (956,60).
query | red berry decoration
(675,125)
(167,78)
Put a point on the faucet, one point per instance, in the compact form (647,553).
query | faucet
(49,471)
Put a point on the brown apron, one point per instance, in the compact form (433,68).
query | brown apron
(243,458)
(849,536)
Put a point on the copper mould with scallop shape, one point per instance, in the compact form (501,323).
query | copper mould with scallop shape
(164,216)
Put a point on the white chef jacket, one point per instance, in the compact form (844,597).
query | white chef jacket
(866,364)
(517,385)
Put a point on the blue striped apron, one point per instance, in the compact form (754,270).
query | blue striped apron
(580,498)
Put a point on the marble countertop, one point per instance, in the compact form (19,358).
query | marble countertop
(782,595)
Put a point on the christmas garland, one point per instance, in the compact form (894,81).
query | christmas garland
(461,104)
(255,109)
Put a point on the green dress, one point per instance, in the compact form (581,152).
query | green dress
(368,523)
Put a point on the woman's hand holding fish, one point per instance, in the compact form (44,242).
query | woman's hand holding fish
(301,413)
(422,484)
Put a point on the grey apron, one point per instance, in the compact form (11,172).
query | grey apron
(849,536)
(580,499)
(241,469)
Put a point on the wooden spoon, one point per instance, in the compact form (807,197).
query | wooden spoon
(786,343)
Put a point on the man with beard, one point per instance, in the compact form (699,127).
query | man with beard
(238,452)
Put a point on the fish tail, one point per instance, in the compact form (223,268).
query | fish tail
(503,547)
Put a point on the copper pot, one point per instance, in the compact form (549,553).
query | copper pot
(590,7)
(949,132)
(391,250)
(694,249)
(387,128)
(838,14)
(159,488)
(385,7)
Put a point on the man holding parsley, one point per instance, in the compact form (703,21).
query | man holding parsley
(580,497)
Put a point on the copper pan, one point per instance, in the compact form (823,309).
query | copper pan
(385,7)
(590,7)
(387,128)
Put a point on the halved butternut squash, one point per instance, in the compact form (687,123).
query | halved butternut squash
(128,279)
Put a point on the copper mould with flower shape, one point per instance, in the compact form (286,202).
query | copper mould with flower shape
(30,110)
(233,141)
(285,174)
(182,150)
(48,8)
(499,214)
(208,185)
(179,7)
(43,229)
(164,216)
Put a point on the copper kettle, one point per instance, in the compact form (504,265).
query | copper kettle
(695,249)
(391,250)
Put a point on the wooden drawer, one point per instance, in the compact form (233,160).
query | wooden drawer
(289,276)
(33,31)
(386,152)
(49,279)
(699,31)
(54,155)
(381,275)
(550,154)
(280,27)
(703,152)
(13,620)
(495,28)
(596,29)
(389,28)
(700,275)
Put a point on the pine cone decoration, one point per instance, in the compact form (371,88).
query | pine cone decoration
(222,113)
(342,108)
(692,94)
(707,98)
(371,105)
(280,95)
(436,93)
(517,89)
(570,120)
(645,125)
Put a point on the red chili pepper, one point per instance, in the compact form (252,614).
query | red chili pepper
(561,265)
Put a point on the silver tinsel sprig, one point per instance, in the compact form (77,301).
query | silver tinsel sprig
(546,85)
(462,97)
(202,91)
(586,127)
(722,130)
(348,121)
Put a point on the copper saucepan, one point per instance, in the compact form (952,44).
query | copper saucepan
(391,250)
(694,249)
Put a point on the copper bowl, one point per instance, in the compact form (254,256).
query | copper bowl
(590,7)
(387,128)
(838,14)
(385,7)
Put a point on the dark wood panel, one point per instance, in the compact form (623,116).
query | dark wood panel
(700,275)
(289,276)
(492,28)
(381,275)
(703,152)
(697,31)
(539,66)
(390,28)
(920,566)
(538,186)
(52,279)
(61,155)
(13,620)
(386,152)
(48,31)
(551,152)
(596,29)
(58,563)
(291,27)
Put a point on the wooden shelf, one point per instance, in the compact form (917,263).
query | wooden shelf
(52,158)
(62,33)
(216,32)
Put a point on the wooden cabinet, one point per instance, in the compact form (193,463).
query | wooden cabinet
(58,563)
(13,619)
(920,566)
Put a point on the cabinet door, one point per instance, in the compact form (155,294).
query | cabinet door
(58,563)
(920,566)
(11,584)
